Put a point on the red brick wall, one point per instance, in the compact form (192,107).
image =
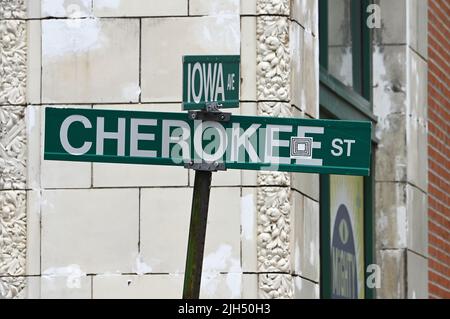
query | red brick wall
(439,148)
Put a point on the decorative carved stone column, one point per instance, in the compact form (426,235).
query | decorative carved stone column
(13,70)
(273,198)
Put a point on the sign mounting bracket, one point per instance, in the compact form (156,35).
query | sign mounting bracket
(215,116)
(211,113)
(206,166)
(200,203)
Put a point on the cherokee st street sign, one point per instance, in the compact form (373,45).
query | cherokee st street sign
(243,142)
(207,79)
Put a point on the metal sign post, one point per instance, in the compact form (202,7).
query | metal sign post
(197,234)
(199,210)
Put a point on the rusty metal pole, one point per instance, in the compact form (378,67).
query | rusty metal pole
(197,234)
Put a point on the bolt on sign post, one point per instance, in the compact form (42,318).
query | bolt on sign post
(206,141)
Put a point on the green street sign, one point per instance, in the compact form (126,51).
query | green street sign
(243,142)
(211,79)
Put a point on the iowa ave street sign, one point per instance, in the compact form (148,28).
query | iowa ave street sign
(211,78)
(244,142)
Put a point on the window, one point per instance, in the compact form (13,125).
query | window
(345,60)
(346,218)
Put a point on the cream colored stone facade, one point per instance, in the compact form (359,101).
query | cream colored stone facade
(82,230)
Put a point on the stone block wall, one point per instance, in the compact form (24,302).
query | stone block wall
(82,230)
(400,64)
(89,230)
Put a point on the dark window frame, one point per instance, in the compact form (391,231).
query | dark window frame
(336,99)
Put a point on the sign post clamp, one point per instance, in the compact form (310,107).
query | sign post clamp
(211,113)
(206,166)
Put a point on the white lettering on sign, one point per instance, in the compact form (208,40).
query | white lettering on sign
(197,69)
(135,137)
(102,136)
(272,141)
(338,149)
(210,79)
(63,135)
(230,85)
(239,140)
(220,88)
(182,140)
(205,130)
(206,79)
(209,141)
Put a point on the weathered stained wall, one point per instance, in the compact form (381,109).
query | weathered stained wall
(120,231)
(60,221)
(305,246)
(82,230)
(400,90)
(438,149)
